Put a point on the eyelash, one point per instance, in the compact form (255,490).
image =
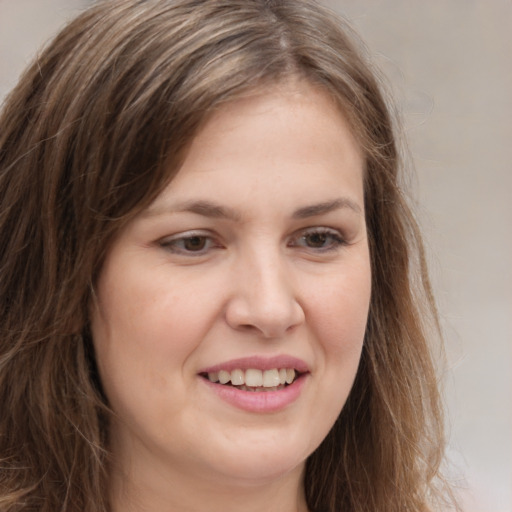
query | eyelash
(173,244)
(336,239)
(177,245)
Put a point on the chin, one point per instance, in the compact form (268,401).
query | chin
(261,468)
(261,458)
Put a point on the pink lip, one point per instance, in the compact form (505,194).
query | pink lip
(260,363)
(258,401)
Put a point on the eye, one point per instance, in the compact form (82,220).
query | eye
(319,239)
(189,244)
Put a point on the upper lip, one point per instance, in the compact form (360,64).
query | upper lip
(259,363)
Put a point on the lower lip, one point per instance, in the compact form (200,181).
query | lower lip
(259,401)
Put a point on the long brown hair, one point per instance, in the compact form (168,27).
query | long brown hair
(92,133)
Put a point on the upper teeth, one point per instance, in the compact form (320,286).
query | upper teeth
(254,378)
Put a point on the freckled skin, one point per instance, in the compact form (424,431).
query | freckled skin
(183,290)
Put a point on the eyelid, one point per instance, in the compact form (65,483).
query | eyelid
(170,243)
(338,239)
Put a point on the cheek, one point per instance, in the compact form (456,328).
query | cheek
(141,349)
(338,316)
(137,337)
(340,312)
(148,308)
(146,331)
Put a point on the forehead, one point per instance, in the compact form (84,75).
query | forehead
(291,137)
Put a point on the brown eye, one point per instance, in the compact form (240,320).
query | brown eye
(319,240)
(189,244)
(194,243)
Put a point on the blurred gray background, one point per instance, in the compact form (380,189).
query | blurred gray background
(449,67)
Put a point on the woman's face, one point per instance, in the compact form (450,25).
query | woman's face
(230,314)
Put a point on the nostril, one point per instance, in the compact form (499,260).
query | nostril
(247,327)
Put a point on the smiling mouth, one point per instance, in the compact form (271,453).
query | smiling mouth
(254,379)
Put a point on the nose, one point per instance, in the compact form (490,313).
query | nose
(264,298)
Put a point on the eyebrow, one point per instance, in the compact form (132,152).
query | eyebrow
(213,210)
(201,207)
(323,208)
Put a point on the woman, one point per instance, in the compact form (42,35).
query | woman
(209,286)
